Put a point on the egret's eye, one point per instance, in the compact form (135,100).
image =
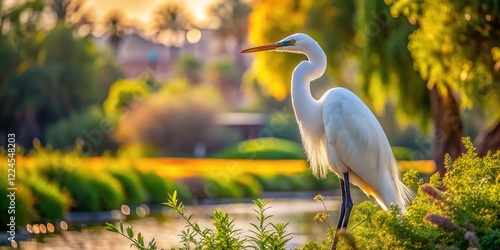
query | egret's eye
(292,42)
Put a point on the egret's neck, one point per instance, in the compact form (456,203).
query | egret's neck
(306,107)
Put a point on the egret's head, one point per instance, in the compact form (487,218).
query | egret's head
(296,43)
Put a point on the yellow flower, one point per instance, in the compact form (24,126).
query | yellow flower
(321,218)
(319,198)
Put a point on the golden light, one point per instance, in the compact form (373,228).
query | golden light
(141,212)
(193,36)
(13,244)
(50,227)
(467,17)
(29,227)
(64,225)
(125,209)
(43,229)
(36,229)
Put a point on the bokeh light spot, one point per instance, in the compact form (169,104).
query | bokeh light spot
(193,36)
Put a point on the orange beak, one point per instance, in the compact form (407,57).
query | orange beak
(267,47)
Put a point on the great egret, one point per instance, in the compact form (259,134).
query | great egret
(340,133)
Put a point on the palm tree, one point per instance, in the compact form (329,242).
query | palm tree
(231,17)
(115,28)
(170,23)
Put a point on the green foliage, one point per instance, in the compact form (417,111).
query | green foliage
(402,153)
(131,184)
(174,119)
(183,191)
(52,73)
(50,203)
(469,205)
(456,46)
(386,65)
(110,194)
(92,127)
(76,182)
(265,236)
(122,93)
(223,73)
(189,67)
(90,189)
(281,125)
(249,185)
(129,234)
(155,186)
(24,211)
(216,188)
(262,148)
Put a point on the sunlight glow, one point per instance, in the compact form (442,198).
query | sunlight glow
(193,36)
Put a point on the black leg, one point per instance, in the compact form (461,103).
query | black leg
(342,207)
(348,201)
(342,213)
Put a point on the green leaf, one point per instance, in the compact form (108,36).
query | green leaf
(130,232)
(111,227)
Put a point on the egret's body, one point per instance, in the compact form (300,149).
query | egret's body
(340,133)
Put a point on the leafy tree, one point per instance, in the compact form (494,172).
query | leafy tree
(231,20)
(46,74)
(170,23)
(115,28)
(455,51)
(421,57)
(174,119)
(190,67)
(122,94)
(299,16)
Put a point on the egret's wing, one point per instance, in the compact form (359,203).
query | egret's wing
(360,144)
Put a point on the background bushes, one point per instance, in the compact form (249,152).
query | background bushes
(49,201)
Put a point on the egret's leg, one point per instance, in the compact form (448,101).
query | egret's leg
(342,207)
(347,200)
(342,213)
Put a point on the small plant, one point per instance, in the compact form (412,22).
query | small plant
(262,237)
(458,211)
(128,233)
(266,235)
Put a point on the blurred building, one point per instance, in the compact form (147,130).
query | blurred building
(137,52)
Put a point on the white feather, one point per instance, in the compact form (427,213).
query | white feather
(340,133)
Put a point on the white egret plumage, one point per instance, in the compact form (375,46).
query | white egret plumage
(340,133)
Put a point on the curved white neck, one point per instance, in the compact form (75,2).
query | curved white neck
(304,104)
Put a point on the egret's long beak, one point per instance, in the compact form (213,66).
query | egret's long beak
(271,46)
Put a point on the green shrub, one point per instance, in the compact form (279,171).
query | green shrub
(262,148)
(131,184)
(110,194)
(281,125)
(77,182)
(217,189)
(306,181)
(24,211)
(155,186)
(224,235)
(50,202)
(183,191)
(249,185)
(91,126)
(467,202)
(402,153)
(280,182)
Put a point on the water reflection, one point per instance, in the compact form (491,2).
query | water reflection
(166,225)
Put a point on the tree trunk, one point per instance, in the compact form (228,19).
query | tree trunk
(448,128)
(489,141)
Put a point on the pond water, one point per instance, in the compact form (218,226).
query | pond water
(166,225)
